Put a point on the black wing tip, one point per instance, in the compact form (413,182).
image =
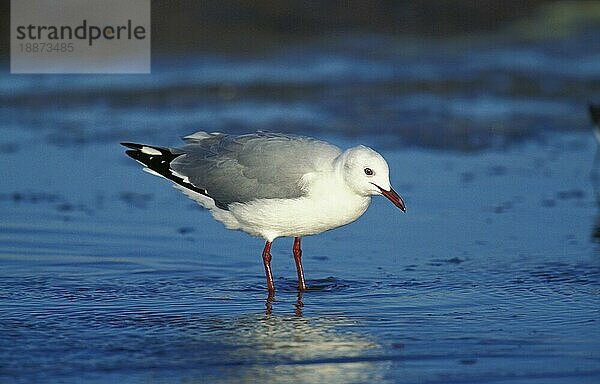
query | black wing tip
(131,145)
(161,165)
(595,113)
(135,151)
(134,154)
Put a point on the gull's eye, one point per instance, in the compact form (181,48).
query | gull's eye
(368,172)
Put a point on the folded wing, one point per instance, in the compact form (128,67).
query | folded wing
(255,166)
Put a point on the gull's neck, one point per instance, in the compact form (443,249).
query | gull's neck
(339,174)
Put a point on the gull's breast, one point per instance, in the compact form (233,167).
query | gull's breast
(303,216)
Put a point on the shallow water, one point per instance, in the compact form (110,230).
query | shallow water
(492,275)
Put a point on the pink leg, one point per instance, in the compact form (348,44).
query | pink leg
(267,262)
(298,260)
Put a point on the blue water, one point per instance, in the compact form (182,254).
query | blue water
(108,274)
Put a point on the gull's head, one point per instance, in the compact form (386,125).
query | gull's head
(367,173)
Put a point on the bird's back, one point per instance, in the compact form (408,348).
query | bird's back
(255,166)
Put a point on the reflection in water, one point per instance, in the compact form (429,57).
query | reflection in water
(269,304)
(298,306)
(258,348)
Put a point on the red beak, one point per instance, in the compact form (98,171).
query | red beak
(393,197)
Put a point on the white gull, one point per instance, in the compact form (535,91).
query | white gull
(272,185)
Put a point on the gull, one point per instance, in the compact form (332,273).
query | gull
(595,115)
(272,185)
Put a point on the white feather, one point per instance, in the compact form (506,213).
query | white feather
(152,172)
(151,151)
(200,135)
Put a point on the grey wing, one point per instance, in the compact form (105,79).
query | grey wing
(256,166)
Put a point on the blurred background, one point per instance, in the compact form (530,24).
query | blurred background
(449,74)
